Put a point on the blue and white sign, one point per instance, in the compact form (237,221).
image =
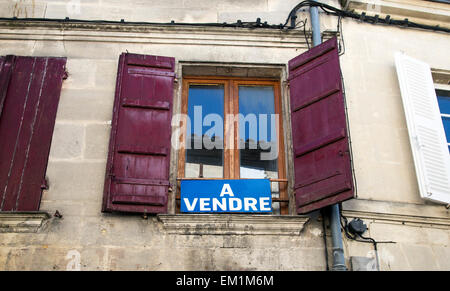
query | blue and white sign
(241,196)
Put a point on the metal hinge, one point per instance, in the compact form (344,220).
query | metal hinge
(45,185)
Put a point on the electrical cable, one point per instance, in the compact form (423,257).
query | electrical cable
(304,33)
(364,239)
(328,9)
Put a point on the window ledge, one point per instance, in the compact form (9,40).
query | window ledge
(22,222)
(233,224)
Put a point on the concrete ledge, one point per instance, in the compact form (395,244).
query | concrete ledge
(153,34)
(436,216)
(22,222)
(233,224)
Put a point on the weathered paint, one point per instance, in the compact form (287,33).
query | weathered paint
(137,174)
(323,174)
(26,129)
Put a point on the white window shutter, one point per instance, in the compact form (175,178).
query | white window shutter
(425,127)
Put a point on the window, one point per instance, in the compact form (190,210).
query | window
(230,128)
(444,108)
(29,96)
(425,113)
(233,131)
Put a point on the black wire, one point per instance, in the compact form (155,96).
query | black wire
(303,25)
(363,17)
(122,22)
(304,33)
(364,239)
(330,10)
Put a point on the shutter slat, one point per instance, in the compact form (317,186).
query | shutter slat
(137,177)
(140,200)
(322,165)
(6,67)
(426,130)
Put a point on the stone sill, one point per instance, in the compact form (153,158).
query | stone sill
(232,224)
(22,222)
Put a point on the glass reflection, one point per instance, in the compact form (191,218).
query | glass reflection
(257,132)
(204,153)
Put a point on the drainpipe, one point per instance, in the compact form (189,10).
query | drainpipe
(334,215)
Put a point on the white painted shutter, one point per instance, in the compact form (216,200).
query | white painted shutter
(425,127)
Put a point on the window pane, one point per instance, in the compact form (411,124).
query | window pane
(446,121)
(258,136)
(204,153)
(257,132)
(444,104)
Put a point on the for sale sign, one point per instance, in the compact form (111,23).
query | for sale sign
(226,196)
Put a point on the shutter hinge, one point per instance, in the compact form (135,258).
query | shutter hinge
(65,75)
(45,185)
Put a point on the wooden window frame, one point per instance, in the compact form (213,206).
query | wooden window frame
(231,166)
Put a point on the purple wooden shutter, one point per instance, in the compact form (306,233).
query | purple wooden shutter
(26,127)
(137,174)
(323,173)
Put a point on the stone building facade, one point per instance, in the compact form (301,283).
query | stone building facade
(417,231)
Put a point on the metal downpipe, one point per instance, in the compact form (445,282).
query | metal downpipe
(334,215)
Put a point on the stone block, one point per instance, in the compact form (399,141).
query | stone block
(75,181)
(135,259)
(442,255)
(65,231)
(97,141)
(19,258)
(86,105)
(229,5)
(420,257)
(93,259)
(68,141)
(251,16)
(392,258)
(363,264)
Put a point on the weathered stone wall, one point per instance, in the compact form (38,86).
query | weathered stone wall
(388,198)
